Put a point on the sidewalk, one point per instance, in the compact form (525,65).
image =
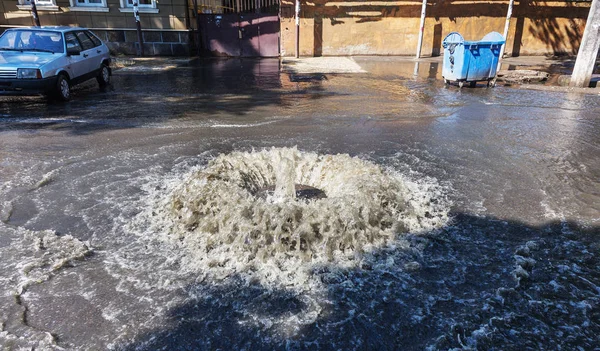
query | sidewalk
(555,66)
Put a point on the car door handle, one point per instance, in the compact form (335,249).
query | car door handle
(85,55)
(98,51)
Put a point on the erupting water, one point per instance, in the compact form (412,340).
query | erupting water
(218,215)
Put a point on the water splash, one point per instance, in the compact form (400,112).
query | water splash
(285,185)
(216,216)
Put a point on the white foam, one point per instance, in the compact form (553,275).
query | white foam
(31,257)
(213,219)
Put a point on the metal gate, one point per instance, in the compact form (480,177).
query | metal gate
(240,28)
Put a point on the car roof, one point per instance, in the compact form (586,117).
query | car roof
(51,28)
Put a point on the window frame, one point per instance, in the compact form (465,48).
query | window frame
(44,5)
(74,33)
(88,7)
(143,8)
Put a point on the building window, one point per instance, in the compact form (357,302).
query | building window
(41,5)
(147,6)
(88,5)
(142,3)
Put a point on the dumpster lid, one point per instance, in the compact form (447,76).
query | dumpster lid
(492,38)
(453,38)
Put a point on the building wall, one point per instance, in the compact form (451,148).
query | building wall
(164,33)
(392,27)
(344,27)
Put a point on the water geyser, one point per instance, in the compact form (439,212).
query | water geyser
(282,202)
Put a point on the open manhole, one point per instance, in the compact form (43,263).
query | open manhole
(304,192)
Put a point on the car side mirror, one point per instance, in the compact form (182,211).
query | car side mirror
(73,52)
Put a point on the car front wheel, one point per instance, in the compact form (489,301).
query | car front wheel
(104,76)
(63,88)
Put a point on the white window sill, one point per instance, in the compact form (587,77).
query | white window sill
(141,9)
(89,9)
(38,7)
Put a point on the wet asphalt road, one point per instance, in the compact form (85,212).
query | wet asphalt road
(517,268)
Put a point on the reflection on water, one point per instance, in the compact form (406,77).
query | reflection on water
(454,219)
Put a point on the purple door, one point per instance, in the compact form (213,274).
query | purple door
(269,35)
(250,39)
(240,35)
(220,34)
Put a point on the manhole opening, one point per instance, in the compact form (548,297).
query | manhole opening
(304,192)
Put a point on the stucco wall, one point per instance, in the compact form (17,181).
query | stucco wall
(352,27)
(391,27)
(164,31)
(171,15)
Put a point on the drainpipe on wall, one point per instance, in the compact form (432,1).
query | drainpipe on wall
(136,14)
(197,36)
(297,28)
(187,14)
(505,35)
(36,18)
(421,28)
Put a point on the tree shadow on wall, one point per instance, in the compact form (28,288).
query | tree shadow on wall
(481,283)
(563,39)
(545,25)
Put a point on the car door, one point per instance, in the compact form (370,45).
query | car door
(76,63)
(88,52)
(100,50)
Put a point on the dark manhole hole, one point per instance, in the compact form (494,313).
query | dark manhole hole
(305,192)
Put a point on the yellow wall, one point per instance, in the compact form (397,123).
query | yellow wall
(392,27)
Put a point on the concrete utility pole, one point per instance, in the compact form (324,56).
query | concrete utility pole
(136,14)
(507,24)
(588,51)
(422,28)
(36,18)
(505,35)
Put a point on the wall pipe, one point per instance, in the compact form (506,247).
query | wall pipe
(138,26)
(421,28)
(505,35)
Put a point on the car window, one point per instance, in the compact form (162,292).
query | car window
(37,40)
(51,41)
(85,41)
(8,40)
(95,39)
(72,42)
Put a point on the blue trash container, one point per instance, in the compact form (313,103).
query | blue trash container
(471,61)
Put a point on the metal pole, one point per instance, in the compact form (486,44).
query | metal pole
(506,26)
(297,28)
(421,28)
(36,18)
(136,14)
(187,14)
(588,51)
(198,49)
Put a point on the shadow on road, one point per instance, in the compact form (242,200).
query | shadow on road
(482,283)
(144,93)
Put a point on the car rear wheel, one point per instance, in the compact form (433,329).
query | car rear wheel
(104,76)
(63,88)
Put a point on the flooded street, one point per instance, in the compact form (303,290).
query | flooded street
(165,213)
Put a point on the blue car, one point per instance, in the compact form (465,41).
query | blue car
(50,60)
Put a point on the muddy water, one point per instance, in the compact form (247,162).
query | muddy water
(453,219)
